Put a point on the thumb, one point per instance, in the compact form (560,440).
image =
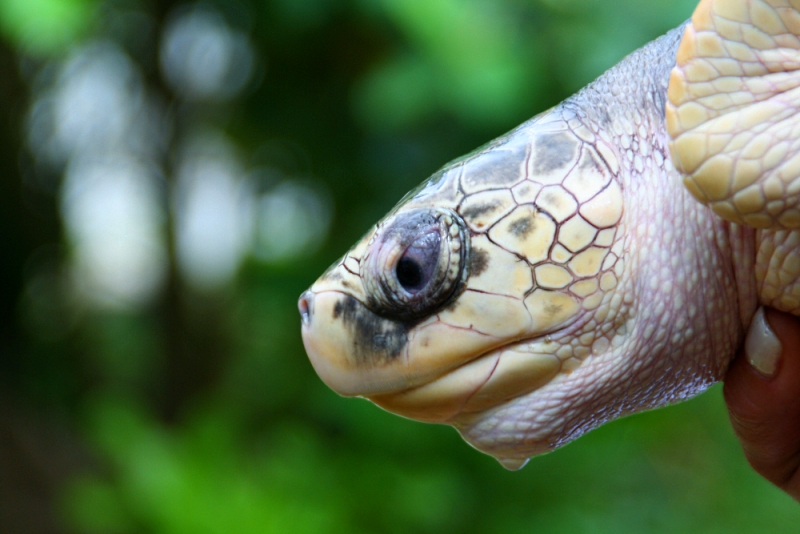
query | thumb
(762,391)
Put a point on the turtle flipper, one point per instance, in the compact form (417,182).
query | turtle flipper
(734,110)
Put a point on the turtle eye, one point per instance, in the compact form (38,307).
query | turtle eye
(416,264)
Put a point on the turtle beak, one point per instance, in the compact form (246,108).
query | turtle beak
(327,347)
(353,351)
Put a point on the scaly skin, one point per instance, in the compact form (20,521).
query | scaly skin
(685,294)
(596,285)
(732,116)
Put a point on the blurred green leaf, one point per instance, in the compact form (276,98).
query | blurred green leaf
(396,95)
(467,58)
(94,506)
(45,26)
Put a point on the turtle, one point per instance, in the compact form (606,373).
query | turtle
(603,258)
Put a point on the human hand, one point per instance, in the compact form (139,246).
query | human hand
(762,391)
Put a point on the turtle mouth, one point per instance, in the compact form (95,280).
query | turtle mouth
(353,350)
(359,354)
(487,380)
(429,371)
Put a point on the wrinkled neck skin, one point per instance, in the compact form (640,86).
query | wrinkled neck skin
(686,286)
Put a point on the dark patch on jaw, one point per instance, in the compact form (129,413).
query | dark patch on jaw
(481,209)
(553,152)
(375,340)
(478,261)
(521,228)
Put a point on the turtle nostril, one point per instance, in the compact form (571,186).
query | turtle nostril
(304,305)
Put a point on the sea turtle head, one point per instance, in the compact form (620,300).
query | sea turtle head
(471,292)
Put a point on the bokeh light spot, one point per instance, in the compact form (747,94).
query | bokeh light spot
(203,58)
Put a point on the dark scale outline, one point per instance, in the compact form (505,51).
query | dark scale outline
(581,147)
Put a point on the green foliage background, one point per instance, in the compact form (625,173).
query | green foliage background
(200,413)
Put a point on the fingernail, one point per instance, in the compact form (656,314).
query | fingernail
(762,347)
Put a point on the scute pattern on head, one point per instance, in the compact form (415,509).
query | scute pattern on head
(543,242)
(546,221)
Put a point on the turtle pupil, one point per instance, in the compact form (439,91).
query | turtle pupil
(409,274)
(417,266)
